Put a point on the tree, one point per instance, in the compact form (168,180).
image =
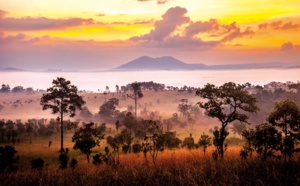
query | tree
(87,138)
(129,121)
(267,140)
(227,103)
(204,142)
(286,115)
(137,93)
(153,143)
(117,88)
(118,125)
(62,99)
(249,135)
(108,108)
(18,89)
(7,158)
(189,142)
(5,88)
(184,107)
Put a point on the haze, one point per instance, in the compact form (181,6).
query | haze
(53,34)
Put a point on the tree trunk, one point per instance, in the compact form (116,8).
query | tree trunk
(135,103)
(88,158)
(61,131)
(222,142)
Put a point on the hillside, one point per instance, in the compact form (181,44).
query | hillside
(170,63)
(160,63)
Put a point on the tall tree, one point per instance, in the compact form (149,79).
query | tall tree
(227,103)
(137,93)
(286,115)
(62,99)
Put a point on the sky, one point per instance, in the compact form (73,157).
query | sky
(102,34)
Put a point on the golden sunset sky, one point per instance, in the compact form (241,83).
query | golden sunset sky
(76,34)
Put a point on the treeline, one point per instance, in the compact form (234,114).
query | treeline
(5,88)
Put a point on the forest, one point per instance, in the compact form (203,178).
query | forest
(146,133)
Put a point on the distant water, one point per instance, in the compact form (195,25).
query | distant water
(94,81)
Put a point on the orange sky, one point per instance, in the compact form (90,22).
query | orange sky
(41,34)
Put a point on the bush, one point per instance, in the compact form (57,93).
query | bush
(136,148)
(7,158)
(37,163)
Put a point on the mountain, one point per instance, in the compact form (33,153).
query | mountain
(9,69)
(160,63)
(170,63)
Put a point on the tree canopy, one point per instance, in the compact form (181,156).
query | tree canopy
(62,98)
(227,103)
(87,138)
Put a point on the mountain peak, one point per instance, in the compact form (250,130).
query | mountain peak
(158,63)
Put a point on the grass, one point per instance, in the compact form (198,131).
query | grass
(173,167)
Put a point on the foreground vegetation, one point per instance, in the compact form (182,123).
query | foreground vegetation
(148,150)
(180,167)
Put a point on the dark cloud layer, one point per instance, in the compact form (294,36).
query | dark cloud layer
(40,23)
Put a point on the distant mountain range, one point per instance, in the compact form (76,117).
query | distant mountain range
(11,69)
(170,63)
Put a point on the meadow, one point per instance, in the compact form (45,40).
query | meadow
(177,166)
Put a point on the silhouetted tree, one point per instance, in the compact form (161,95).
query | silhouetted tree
(204,142)
(5,88)
(8,160)
(87,138)
(189,142)
(108,108)
(62,98)
(227,103)
(249,135)
(118,125)
(154,143)
(286,115)
(18,89)
(37,164)
(129,122)
(267,140)
(73,163)
(137,93)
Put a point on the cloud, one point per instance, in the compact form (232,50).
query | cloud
(41,23)
(176,30)
(162,1)
(199,27)
(278,25)
(238,33)
(173,18)
(11,39)
(158,1)
(290,25)
(2,13)
(287,46)
(100,15)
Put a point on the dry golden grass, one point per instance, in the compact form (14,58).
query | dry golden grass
(173,167)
